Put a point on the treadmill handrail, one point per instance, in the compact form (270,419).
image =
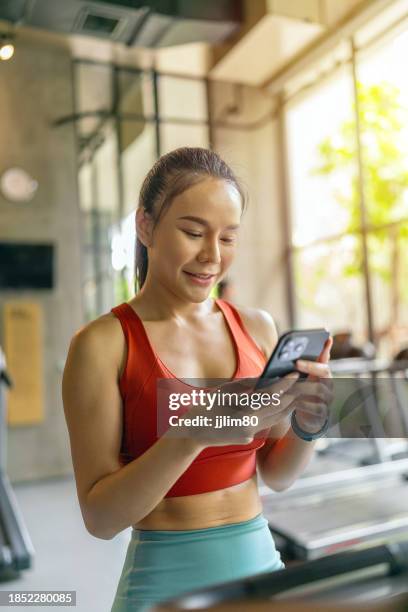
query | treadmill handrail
(15,530)
(348,476)
(393,557)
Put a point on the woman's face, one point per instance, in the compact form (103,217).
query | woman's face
(197,234)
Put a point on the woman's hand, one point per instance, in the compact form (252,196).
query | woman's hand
(240,421)
(309,397)
(315,394)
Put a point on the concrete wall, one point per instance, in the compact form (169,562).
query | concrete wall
(35,89)
(253,152)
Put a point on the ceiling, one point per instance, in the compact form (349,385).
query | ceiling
(283,32)
(151,23)
(262,43)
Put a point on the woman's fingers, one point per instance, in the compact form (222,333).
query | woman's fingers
(318,368)
(307,408)
(313,368)
(325,354)
(288,380)
(307,397)
(278,386)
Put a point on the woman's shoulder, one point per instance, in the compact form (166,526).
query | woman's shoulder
(106,325)
(101,336)
(261,327)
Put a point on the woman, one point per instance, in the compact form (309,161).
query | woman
(192,501)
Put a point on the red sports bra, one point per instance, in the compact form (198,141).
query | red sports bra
(216,467)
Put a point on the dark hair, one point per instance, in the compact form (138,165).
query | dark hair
(170,176)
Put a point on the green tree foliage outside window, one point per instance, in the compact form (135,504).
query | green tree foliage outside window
(385,165)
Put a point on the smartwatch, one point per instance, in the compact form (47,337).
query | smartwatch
(306,435)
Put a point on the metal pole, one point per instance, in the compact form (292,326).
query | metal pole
(96,238)
(285,204)
(210,126)
(120,209)
(361,189)
(156,113)
(119,142)
(78,194)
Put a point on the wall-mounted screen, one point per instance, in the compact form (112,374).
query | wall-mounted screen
(26,265)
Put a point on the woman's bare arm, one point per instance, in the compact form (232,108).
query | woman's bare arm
(112,497)
(284,456)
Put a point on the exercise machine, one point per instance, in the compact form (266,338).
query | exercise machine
(16,549)
(364,503)
(374,574)
(349,509)
(389,383)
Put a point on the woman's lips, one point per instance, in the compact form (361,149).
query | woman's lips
(199,280)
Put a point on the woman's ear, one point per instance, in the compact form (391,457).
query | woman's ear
(144,226)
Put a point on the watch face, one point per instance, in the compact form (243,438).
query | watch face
(17,185)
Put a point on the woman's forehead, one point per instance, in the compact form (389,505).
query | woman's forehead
(210,196)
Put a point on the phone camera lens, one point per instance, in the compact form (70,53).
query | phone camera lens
(285,355)
(299,348)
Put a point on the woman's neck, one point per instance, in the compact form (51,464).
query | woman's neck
(158,303)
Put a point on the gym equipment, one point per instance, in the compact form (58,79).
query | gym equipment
(371,574)
(360,505)
(348,509)
(16,549)
(381,374)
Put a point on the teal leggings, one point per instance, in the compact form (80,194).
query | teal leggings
(164,564)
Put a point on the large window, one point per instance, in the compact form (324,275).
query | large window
(349,241)
(384,91)
(325,240)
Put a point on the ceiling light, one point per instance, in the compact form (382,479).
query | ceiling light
(6,52)
(6,47)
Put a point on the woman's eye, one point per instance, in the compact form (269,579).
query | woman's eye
(192,234)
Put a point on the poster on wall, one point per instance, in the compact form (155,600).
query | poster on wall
(24,354)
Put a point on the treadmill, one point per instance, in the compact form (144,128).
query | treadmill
(16,549)
(348,508)
(376,574)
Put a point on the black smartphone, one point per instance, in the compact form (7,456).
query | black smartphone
(301,344)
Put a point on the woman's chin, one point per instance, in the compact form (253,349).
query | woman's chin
(198,294)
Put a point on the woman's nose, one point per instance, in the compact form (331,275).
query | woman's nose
(210,252)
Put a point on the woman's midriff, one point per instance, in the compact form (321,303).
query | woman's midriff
(231,505)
